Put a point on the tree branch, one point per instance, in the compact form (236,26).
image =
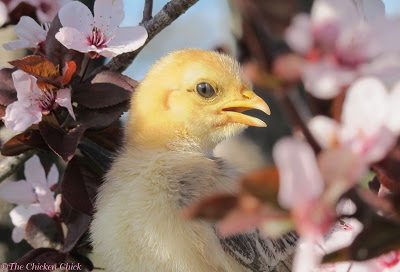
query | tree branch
(169,13)
(8,165)
(147,11)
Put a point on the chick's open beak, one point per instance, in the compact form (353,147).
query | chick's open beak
(249,101)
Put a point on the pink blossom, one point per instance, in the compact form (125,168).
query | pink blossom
(343,40)
(30,34)
(33,195)
(301,187)
(99,34)
(370,121)
(310,188)
(33,102)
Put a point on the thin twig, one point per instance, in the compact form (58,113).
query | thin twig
(169,13)
(147,11)
(297,121)
(8,165)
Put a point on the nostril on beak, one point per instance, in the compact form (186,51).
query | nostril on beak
(248,94)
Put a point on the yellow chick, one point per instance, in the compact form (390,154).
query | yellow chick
(188,102)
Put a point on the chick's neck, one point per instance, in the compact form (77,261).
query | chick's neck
(162,136)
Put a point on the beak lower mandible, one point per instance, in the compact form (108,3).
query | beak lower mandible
(249,101)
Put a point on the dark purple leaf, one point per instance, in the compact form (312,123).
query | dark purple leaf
(49,256)
(23,142)
(388,170)
(101,118)
(79,186)
(85,261)
(77,224)
(104,90)
(23,9)
(43,231)
(110,138)
(55,51)
(8,93)
(62,143)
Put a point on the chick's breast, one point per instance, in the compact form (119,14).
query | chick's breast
(138,227)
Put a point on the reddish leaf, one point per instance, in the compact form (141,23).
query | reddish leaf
(43,231)
(214,207)
(23,142)
(40,255)
(38,66)
(8,93)
(105,89)
(63,143)
(77,224)
(79,186)
(288,68)
(263,184)
(69,71)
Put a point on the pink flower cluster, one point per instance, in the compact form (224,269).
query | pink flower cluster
(34,195)
(33,102)
(95,35)
(344,40)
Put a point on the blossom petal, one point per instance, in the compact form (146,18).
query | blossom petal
(325,130)
(18,234)
(370,10)
(64,100)
(17,192)
(17,44)
(21,214)
(26,87)
(365,105)
(35,175)
(52,177)
(342,168)
(325,80)
(299,34)
(108,15)
(300,179)
(34,172)
(30,34)
(126,39)
(393,122)
(346,13)
(307,257)
(57,203)
(3,14)
(72,38)
(342,235)
(78,16)
(19,118)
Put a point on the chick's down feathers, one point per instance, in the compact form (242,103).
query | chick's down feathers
(189,101)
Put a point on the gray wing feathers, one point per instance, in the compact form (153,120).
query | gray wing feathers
(259,254)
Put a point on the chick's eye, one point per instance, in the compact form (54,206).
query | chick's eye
(205,90)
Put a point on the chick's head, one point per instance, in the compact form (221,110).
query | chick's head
(192,96)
